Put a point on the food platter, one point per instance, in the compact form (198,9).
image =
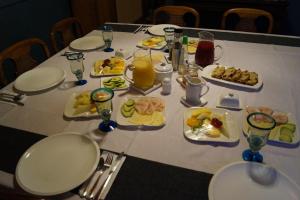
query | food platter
(57,164)
(251,180)
(115,83)
(78,105)
(112,66)
(206,132)
(156,43)
(207,74)
(276,134)
(87,43)
(159,29)
(137,114)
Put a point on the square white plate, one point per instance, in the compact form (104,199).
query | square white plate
(296,138)
(121,120)
(230,126)
(69,108)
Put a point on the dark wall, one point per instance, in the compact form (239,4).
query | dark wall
(21,19)
(292,23)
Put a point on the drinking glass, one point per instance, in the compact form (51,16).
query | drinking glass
(260,126)
(102,97)
(107,34)
(169,37)
(205,53)
(77,67)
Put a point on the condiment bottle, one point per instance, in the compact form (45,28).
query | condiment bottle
(176,50)
(166,86)
(183,61)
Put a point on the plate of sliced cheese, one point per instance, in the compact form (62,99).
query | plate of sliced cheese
(141,111)
(80,105)
(210,125)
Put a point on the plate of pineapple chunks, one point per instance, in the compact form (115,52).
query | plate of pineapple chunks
(210,125)
(80,105)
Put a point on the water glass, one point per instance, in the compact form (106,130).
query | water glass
(107,34)
(77,67)
(169,37)
(260,126)
(102,97)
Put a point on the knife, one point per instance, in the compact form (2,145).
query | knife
(12,101)
(110,174)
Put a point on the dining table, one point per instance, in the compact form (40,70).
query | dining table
(161,163)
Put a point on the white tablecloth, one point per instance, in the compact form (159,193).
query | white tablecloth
(278,66)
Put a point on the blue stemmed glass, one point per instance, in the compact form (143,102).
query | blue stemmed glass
(102,97)
(107,34)
(259,128)
(77,67)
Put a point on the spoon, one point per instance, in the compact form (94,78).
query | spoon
(87,187)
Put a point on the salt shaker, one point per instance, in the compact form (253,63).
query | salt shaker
(166,86)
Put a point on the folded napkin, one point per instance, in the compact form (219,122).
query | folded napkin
(106,174)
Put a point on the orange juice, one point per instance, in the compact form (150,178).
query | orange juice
(143,74)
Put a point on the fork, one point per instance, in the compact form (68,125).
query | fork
(107,164)
(89,185)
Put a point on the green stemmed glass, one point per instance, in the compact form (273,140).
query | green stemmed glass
(102,97)
(260,126)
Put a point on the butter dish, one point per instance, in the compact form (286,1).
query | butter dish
(229,101)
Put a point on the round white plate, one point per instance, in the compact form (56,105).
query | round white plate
(39,79)
(159,29)
(251,180)
(87,43)
(57,164)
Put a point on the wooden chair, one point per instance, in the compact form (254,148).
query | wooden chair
(64,32)
(21,57)
(247,19)
(178,15)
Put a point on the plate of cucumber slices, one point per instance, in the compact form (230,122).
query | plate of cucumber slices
(115,83)
(285,131)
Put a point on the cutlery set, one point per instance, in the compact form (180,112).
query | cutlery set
(97,184)
(141,28)
(12,98)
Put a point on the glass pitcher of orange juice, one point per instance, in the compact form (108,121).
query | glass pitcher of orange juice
(143,75)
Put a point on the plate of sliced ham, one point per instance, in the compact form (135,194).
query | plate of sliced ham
(141,111)
(285,131)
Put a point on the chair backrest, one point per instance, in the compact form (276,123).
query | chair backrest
(247,19)
(178,15)
(64,32)
(21,57)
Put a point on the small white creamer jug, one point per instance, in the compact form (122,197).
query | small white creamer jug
(194,90)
